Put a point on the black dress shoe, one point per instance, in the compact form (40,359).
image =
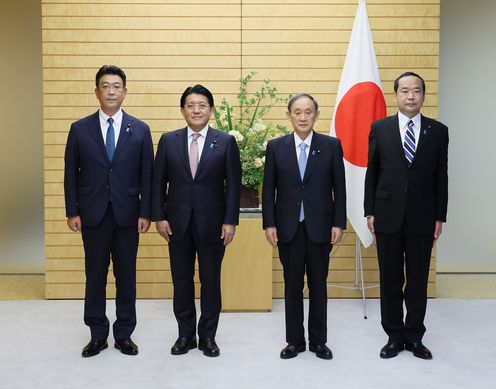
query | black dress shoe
(126,346)
(209,347)
(291,351)
(419,350)
(183,345)
(94,347)
(321,350)
(391,349)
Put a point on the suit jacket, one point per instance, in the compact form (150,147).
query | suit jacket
(322,190)
(394,191)
(211,197)
(91,180)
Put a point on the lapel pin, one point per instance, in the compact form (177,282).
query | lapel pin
(213,144)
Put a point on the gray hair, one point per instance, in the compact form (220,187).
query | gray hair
(301,95)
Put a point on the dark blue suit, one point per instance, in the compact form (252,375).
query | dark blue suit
(196,208)
(304,246)
(109,197)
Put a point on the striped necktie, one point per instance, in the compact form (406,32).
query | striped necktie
(409,143)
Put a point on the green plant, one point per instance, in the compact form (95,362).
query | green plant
(248,127)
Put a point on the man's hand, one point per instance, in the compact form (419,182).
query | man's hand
(370,225)
(164,229)
(74,223)
(143,225)
(336,235)
(228,231)
(437,232)
(271,236)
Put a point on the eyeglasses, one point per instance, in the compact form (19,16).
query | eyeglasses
(201,106)
(107,87)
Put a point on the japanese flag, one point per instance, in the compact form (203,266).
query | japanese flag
(359,102)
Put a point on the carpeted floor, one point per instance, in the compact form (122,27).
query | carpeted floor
(42,342)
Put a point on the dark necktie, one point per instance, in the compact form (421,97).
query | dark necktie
(110,139)
(409,143)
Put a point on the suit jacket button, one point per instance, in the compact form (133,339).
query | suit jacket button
(405,190)
(108,187)
(303,186)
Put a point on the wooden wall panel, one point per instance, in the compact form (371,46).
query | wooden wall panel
(166,45)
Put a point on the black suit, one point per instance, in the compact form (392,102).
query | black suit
(406,201)
(196,208)
(304,246)
(109,197)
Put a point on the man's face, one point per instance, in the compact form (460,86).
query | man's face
(110,92)
(303,116)
(409,96)
(196,111)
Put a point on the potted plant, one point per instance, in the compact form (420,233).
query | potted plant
(245,122)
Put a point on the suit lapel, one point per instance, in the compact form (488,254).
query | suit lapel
(292,157)
(124,133)
(96,132)
(313,155)
(208,149)
(182,149)
(425,129)
(394,128)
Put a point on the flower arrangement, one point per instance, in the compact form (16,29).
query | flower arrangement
(248,127)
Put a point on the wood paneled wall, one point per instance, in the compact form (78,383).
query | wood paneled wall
(166,45)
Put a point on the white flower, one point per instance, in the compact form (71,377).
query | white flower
(259,126)
(223,117)
(263,159)
(237,135)
(259,162)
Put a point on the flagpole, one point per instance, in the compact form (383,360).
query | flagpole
(359,279)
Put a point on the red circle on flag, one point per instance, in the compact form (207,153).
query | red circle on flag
(363,104)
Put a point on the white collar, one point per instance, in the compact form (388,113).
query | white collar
(307,141)
(403,120)
(202,132)
(104,117)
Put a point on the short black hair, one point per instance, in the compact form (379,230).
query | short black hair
(301,95)
(110,69)
(407,74)
(198,90)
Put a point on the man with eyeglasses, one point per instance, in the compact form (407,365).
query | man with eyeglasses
(195,203)
(107,182)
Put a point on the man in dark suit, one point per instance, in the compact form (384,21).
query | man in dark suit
(406,198)
(304,214)
(107,182)
(195,202)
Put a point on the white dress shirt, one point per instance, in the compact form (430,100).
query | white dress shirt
(104,124)
(403,124)
(201,140)
(298,141)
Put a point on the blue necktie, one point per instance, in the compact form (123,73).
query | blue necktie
(302,164)
(409,143)
(110,139)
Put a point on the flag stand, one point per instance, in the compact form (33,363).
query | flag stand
(359,283)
